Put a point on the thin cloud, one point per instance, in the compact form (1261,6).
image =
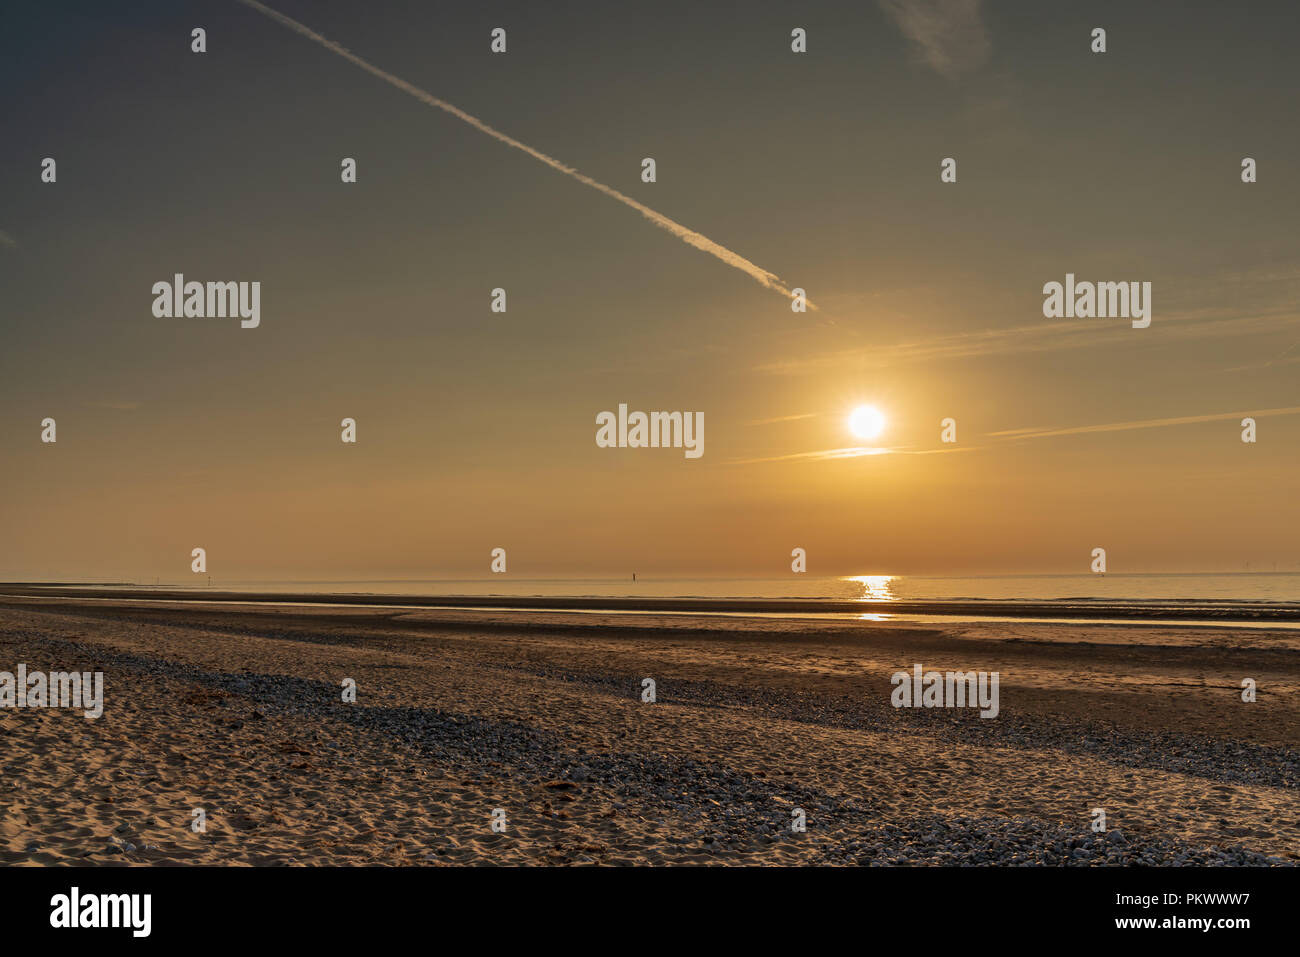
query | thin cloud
(948,35)
(1283,358)
(1278,361)
(1012,435)
(785,418)
(850,453)
(1036,338)
(7,241)
(763,277)
(1046,335)
(823,455)
(1039,433)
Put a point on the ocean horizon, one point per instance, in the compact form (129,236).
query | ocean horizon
(1270,587)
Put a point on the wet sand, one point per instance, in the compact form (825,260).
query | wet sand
(237,710)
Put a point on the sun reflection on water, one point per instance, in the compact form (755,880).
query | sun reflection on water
(874,587)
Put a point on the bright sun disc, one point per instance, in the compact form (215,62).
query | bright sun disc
(866,422)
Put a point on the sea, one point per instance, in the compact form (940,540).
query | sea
(1193,587)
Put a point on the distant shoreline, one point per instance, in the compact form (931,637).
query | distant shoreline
(1164,610)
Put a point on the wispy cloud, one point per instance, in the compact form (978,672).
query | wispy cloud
(1014,435)
(1039,433)
(1046,335)
(948,35)
(785,418)
(113,405)
(763,277)
(855,452)
(7,241)
(963,345)
(1283,358)
(849,453)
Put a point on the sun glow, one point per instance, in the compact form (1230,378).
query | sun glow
(866,422)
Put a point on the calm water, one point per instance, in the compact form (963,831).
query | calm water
(1274,587)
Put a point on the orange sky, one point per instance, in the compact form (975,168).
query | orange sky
(476,429)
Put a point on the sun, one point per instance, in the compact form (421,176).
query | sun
(867,422)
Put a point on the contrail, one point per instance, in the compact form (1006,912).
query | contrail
(762,276)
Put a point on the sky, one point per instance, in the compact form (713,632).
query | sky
(476,429)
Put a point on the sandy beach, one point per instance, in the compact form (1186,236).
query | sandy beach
(238,710)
